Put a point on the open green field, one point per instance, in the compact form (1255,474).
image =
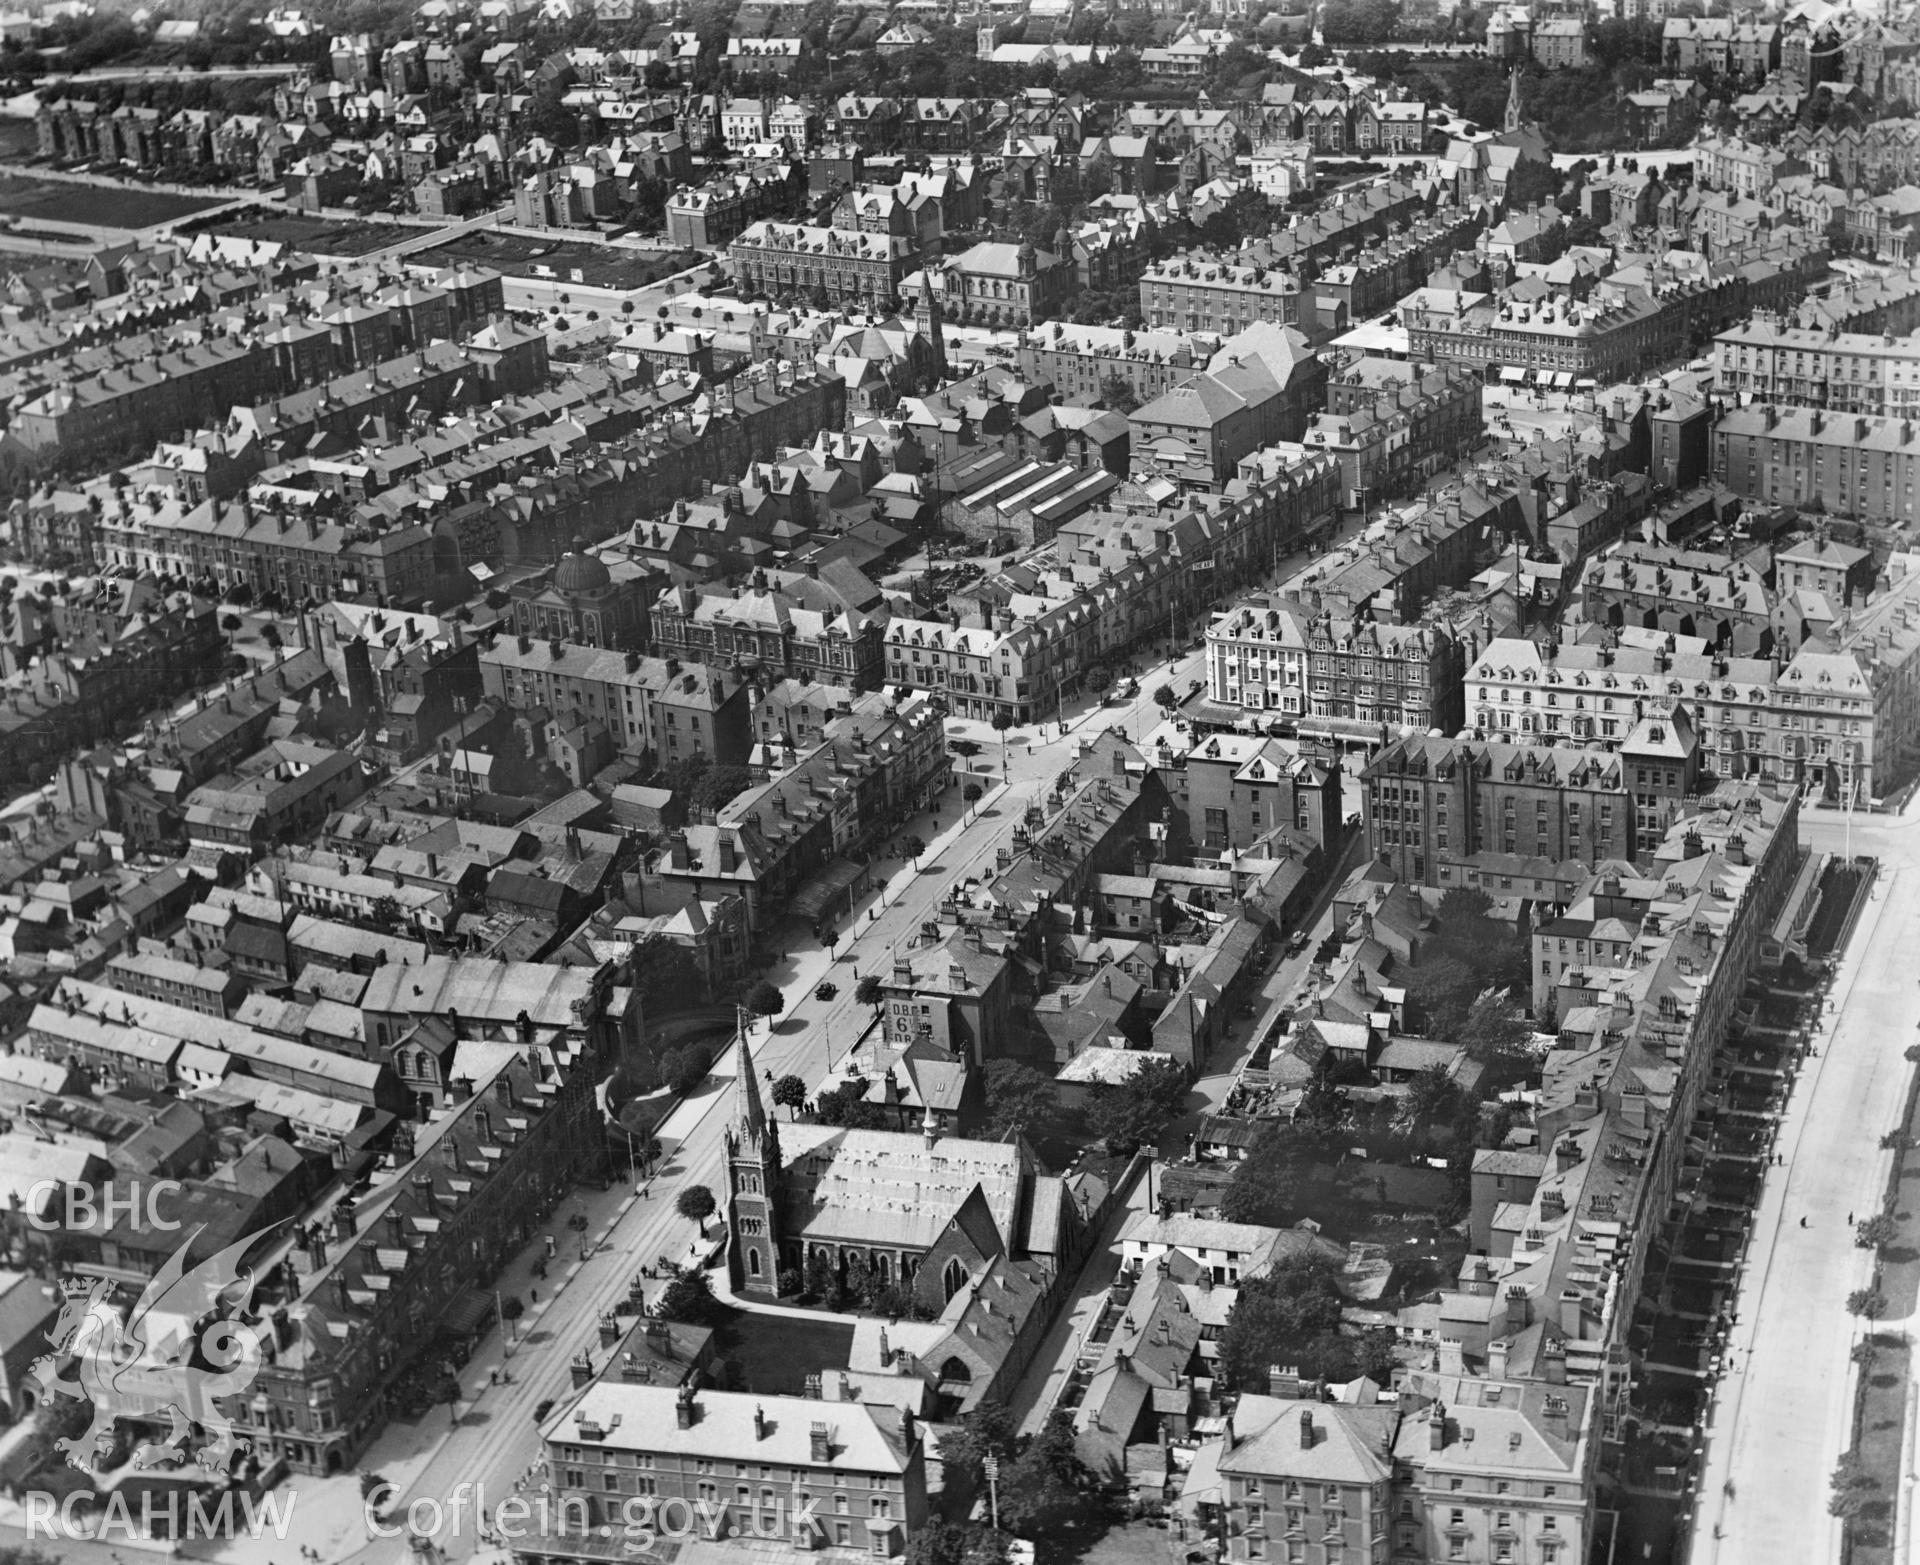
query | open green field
(110,206)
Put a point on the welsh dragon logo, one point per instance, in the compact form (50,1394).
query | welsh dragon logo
(160,1361)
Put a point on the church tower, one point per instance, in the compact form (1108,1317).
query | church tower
(1515,119)
(928,321)
(753,1181)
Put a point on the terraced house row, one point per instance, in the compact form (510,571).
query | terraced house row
(1107,581)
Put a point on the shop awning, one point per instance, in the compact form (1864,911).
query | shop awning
(469,1315)
(826,888)
(1543,377)
(1513,376)
(1369,729)
(1587,385)
(1564,379)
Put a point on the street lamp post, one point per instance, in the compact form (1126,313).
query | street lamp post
(992,1468)
(1851,785)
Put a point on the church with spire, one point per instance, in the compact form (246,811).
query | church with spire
(928,1213)
(753,1175)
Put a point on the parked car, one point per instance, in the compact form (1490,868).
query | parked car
(540,1412)
(1297,942)
(824,990)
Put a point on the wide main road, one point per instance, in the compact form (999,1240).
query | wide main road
(496,1440)
(1784,1411)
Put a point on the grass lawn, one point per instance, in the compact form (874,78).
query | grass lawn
(1131,1543)
(776,1353)
(108,205)
(344,237)
(1886,1379)
(580,261)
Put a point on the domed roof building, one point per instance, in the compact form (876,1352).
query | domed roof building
(579,573)
(584,599)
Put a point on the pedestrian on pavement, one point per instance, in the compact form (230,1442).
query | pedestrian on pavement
(1849,1219)
(1803,1222)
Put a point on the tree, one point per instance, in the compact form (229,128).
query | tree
(547,116)
(823,1280)
(1853,1486)
(679,777)
(1289,1316)
(1118,393)
(718,785)
(971,796)
(790,1093)
(1494,1029)
(1375,1356)
(1431,1096)
(511,1309)
(1019,1099)
(966,749)
(989,1430)
(1532,182)
(695,1204)
(870,991)
(1165,698)
(1359,24)
(912,847)
(1265,1188)
(1869,1303)
(1876,1232)
(846,1105)
(688,1298)
(941,1542)
(684,1068)
(1137,1113)
(1047,1474)
(666,975)
(376,1489)
(858,1285)
(763,999)
(230,623)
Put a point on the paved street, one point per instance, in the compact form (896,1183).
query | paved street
(1783,1413)
(495,1441)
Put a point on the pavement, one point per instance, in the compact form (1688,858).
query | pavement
(450,1470)
(1060,1350)
(495,1443)
(1783,1411)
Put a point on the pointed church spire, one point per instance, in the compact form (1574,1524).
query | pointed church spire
(750,1113)
(930,321)
(1514,117)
